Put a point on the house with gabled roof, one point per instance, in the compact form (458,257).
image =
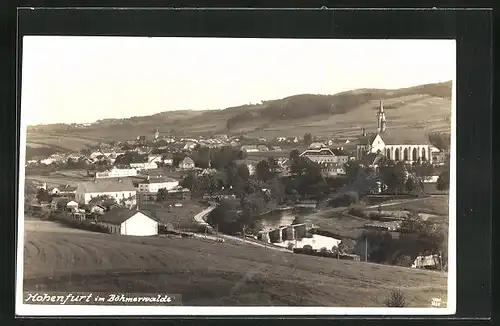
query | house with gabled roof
(117,188)
(130,222)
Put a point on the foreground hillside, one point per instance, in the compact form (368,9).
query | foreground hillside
(208,273)
(420,109)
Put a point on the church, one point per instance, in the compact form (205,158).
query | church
(407,148)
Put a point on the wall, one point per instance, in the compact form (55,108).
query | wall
(139,225)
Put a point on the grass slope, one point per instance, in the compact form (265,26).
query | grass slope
(208,273)
(425,108)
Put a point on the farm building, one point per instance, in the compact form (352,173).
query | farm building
(151,185)
(119,189)
(186,164)
(129,222)
(427,262)
(144,166)
(63,204)
(116,173)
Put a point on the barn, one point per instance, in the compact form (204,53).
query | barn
(124,221)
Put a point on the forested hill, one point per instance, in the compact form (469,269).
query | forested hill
(281,116)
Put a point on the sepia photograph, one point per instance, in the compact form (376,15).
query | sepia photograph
(236,176)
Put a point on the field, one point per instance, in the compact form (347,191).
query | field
(62,141)
(208,273)
(65,177)
(436,205)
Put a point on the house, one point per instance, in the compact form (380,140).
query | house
(98,209)
(155,158)
(117,188)
(249,148)
(277,148)
(64,190)
(152,185)
(63,204)
(129,222)
(262,148)
(144,166)
(426,262)
(317,145)
(54,191)
(116,173)
(186,164)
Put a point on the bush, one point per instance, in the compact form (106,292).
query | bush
(396,299)
(343,199)
(307,248)
(375,216)
(357,210)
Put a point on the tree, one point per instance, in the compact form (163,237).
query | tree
(396,299)
(409,185)
(177,158)
(262,171)
(161,195)
(443,182)
(308,248)
(294,155)
(308,139)
(43,196)
(394,176)
(103,199)
(352,169)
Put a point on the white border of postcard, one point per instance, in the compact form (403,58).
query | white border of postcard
(75,310)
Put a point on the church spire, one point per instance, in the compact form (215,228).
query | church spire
(381,123)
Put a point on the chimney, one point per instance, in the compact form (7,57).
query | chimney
(364,132)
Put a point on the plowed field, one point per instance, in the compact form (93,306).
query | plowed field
(208,273)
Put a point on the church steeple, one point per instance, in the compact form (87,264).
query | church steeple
(381,123)
(157,133)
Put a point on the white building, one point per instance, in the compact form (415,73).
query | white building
(144,166)
(151,185)
(116,173)
(405,147)
(119,189)
(317,242)
(129,222)
(324,155)
(186,164)
(155,159)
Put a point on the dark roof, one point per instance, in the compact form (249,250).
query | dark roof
(157,180)
(405,138)
(119,215)
(61,200)
(367,140)
(107,185)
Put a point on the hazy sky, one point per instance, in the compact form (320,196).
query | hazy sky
(83,79)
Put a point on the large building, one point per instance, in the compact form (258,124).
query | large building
(152,185)
(119,189)
(116,173)
(406,147)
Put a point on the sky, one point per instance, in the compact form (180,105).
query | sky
(81,79)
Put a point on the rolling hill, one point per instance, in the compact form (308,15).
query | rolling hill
(213,274)
(422,109)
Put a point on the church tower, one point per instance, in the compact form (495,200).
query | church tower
(157,133)
(381,123)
